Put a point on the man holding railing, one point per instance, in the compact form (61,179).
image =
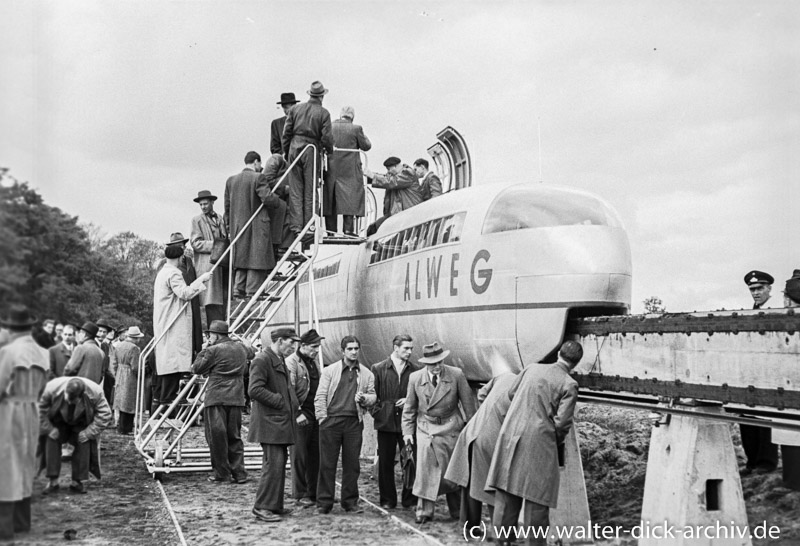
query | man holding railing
(306,123)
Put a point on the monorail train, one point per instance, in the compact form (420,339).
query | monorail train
(493,273)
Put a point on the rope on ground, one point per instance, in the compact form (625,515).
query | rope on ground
(171,513)
(426,536)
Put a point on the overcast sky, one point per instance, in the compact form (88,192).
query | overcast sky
(685,116)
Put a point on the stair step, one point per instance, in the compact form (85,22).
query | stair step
(342,240)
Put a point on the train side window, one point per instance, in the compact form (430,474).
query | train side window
(393,246)
(433,232)
(451,231)
(422,236)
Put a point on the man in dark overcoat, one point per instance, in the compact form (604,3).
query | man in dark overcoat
(282,236)
(433,419)
(87,358)
(272,419)
(253,256)
(306,123)
(525,464)
(224,362)
(344,181)
(391,386)
(276,127)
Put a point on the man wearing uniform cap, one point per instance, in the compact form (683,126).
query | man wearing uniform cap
(306,123)
(224,361)
(272,419)
(431,412)
(207,227)
(761,453)
(304,376)
(87,358)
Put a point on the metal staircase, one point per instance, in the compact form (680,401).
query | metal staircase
(159,438)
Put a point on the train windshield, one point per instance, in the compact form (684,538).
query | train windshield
(525,207)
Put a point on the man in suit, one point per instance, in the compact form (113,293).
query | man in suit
(304,374)
(525,461)
(430,184)
(23,368)
(74,410)
(61,353)
(344,183)
(207,227)
(87,358)
(306,123)
(391,386)
(224,362)
(253,256)
(761,453)
(272,421)
(276,128)
(346,390)
(432,413)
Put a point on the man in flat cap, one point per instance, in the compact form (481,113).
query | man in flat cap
(401,185)
(23,368)
(432,418)
(224,362)
(276,128)
(761,453)
(346,390)
(87,358)
(207,227)
(272,419)
(306,123)
(304,375)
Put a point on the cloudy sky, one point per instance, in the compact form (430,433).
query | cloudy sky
(685,116)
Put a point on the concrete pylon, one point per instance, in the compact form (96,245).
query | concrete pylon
(573,504)
(692,491)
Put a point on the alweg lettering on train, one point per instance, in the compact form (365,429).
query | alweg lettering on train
(422,275)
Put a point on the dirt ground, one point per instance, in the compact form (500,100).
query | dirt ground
(126,507)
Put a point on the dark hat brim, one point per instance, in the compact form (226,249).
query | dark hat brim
(434,359)
(179,241)
(287,102)
(198,199)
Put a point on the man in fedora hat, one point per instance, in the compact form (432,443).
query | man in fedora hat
(306,123)
(304,375)
(186,267)
(207,227)
(23,369)
(127,375)
(105,335)
(87,358)
(74,410)
(253,254)
(276,129)
(431,413)
(525,463)
(224,362)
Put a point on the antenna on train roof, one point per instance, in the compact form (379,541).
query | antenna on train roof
(539,130)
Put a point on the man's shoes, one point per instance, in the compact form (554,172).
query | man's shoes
(266,515)
(354,510)
(282,512)
(422,519)
(215,479)
(324,509)
(50,488)
(242,480)
(306,501)
(77,487)
(386,506)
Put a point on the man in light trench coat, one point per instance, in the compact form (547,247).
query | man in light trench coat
(525,464)
(432,411)
(206,227)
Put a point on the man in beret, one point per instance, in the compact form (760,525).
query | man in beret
(87,358)
(207,227)
(23,368)
(401,185)
(224,362)
(306,123)
(761,453)
(304,376)
(272,420)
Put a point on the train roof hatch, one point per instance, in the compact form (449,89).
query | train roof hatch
(452,160)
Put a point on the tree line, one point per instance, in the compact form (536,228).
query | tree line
(67,271)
